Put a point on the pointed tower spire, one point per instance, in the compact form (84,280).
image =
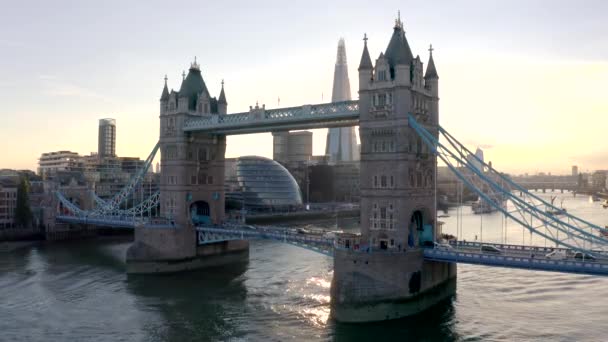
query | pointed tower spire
(398,50)
(431,71)
(366,61)
(222,99)
(165,94)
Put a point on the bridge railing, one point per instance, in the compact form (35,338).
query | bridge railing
(543,264)
(263,234)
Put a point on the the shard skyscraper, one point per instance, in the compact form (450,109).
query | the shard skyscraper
(341,142)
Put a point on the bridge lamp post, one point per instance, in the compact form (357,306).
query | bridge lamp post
(307,183)
(243,204)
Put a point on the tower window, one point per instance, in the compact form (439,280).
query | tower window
(382,75)
(381,99)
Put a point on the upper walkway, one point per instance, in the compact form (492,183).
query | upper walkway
(260,120)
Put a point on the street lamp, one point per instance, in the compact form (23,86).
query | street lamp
(307,183)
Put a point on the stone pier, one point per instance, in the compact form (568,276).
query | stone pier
(168,250)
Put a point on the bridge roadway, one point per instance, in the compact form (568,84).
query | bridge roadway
(463,252)
(511,256)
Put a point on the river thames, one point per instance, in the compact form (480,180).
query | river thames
(79,291)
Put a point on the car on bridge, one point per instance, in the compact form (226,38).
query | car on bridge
(559,254)
(490,249)
(442,246)
(584,256)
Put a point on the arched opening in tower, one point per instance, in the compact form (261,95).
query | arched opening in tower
(416,226)
(200,213)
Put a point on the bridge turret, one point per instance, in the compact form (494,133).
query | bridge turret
(431,84)
(365,67)
(222,105)
(164,98)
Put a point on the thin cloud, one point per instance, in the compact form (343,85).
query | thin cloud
(13,44)
(53,86)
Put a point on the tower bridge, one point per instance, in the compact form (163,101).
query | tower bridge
(388,270)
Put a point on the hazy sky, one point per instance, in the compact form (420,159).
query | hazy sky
(525,80)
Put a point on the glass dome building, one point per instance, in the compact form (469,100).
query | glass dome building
(263,184)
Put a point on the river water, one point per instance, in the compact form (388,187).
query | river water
(78,291)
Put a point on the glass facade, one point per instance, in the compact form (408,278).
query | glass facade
(264,184)
(106,146)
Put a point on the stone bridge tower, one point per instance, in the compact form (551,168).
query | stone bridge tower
(191,186)
(192,164)
(383,275)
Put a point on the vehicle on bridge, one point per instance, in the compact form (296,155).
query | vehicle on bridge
(490,249)
(584,256)
(559,254)
(443,246)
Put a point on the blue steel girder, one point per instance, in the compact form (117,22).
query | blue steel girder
(447,155)
(574,227)
(125,192)
(576,221)
(260,120)
(104,221)
(521,262)
(207,235)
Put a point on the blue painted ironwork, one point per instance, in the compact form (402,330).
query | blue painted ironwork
(581,223)
(208,235)
(128,218)
(572,236)
(549,215)
(522,262)
(128,222)
(258,120)
(512,256)
(125,192)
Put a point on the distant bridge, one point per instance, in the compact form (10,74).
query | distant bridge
(552,186)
